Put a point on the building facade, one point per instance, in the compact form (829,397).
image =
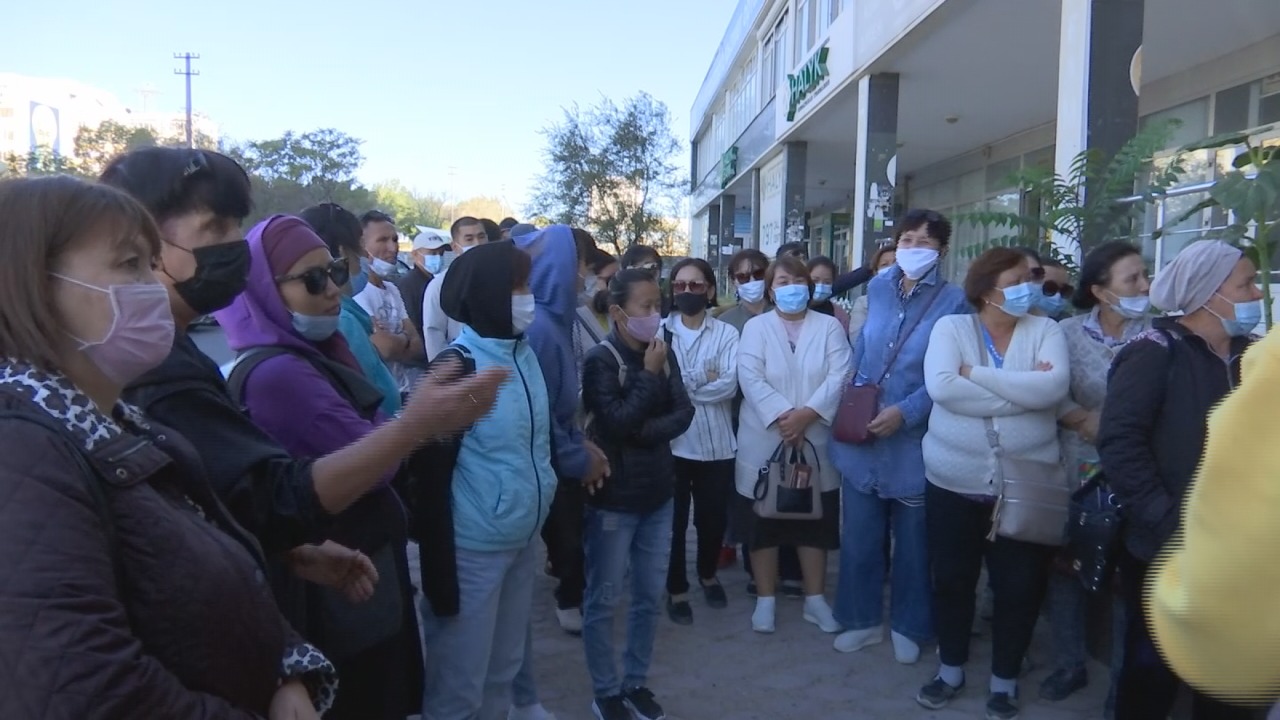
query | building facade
(824,119)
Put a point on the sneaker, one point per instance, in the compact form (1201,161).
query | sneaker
(937,694)
(762,620)
(643,706)
(1063,683)
(679,610)
(715,595)
(533,712)
(818,612)
(855,640)
(570,620)
(905,650)
(791,589)
(1000,706)
(611,708)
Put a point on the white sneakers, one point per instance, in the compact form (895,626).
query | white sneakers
(818,612)
(855,640)
(533,712)
(905,650)
(762,618)
(570,620)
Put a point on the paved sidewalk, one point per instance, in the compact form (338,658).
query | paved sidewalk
(718,669)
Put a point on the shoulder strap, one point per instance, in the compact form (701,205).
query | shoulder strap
(464,354)
(622,366)
(353,386)
(910,328)
(244,364)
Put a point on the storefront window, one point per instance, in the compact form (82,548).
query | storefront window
(1194,117)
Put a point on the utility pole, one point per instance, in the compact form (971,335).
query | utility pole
(146,92)
(189,73)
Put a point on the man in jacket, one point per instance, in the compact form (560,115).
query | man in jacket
(438,329)
(428,262)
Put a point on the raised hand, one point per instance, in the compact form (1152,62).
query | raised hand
(444,402)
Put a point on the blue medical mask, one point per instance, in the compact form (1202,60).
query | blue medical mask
(434,264)
(383,268)
(1018,299)
(1051,305)
(360,280)
(316,328)
(822,292)
(1248,315)
(1131,308)
(791,299)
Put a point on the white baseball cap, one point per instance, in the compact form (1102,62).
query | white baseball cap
(430,239)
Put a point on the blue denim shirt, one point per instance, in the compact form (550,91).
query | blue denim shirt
(893,467)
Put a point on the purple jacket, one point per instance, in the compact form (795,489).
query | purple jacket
(295,403)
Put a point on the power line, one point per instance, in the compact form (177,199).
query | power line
(189,73)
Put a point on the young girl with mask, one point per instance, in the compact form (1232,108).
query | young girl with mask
(822,271)
(636,403)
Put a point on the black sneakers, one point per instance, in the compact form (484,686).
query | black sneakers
(680,612)
(641,702)
(937,694)
(1063,683)
(611,708)
(1000,706)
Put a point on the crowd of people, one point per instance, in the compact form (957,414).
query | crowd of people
(348,520)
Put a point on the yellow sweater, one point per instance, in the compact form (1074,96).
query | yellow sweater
(1214,597)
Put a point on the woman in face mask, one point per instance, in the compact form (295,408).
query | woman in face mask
(1152,434)
(747,268)
(1008,368)
(636,404)
(299,381)
(822,271)
(502,487)
(1113,294)
(128,584)
(792,366)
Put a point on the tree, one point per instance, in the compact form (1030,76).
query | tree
(323,162)
(483,206)
(611,169)
(39,161)
(96,147)
(409,208)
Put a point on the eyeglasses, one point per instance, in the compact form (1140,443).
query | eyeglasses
(695,286)
(744,278)
(1051,288)
(316,279)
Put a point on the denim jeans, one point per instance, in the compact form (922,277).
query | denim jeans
(615,540)
(1067,604)
(524,691)
(473,657)
(860,592)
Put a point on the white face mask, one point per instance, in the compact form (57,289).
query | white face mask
(752,292)
(916,262)
(523,309)
(1131,308)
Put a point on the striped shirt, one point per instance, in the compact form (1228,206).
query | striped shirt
(712,348)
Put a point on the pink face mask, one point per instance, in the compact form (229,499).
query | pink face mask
(141,333)
(645,328)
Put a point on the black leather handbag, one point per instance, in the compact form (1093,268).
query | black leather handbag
(1093,532)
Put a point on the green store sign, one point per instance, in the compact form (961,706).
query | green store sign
(808,78)
(728,166)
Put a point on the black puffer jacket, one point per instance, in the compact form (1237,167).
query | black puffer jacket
(1154,422)
(634,424)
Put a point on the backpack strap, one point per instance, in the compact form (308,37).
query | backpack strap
(244,364)
(353,386)
(622,366)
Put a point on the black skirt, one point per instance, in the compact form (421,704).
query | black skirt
(759,533)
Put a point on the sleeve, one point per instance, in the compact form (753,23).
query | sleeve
(1135,400)
(435,324)
(916,407)
(673,423)
(65,641)
(1214,590)
(304,661)
(757,391)
(724,387)
(947,387)
(1032,389)
(851,280)
(568,446)
(857,318)
(620,410)
(265,489)
(825,400)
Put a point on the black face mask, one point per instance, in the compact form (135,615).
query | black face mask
(691,303)
(222,271)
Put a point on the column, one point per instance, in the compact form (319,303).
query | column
(793,198)
(713,233)
(875,166)
(753,241)
(1099,78)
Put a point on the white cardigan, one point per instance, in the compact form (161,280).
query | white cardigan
(710,437)
(774,380)
(1022,400)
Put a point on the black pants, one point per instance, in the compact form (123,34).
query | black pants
(708,485)
(563,535)
(1148,688)
(957,529)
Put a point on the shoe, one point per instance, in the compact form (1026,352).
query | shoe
(818,612)
(762,620)
(937,694)
(905,650)
(533,712)
(679,610)
(751,589)
(791,589)
(715,595)
(855,640)
(643,706)
(570,620)
(1000,706)
(1063,683)
(728,557)
(611,708)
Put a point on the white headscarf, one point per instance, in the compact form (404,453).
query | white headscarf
(1189,282)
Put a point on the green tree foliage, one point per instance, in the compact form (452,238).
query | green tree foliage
(483,206)
(95,147)
(40,161)
(301,169)
(408,207)
(611,169)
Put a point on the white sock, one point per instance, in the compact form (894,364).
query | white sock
(1000,685)
(952,675)
(763,603)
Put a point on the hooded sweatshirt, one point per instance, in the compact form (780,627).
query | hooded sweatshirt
(503,482)
(555,285)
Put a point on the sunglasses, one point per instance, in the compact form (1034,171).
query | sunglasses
(744,278)
(316,279)
(1051,288)
(695,286)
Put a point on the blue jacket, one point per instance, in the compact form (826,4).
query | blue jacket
(356,326)
(893,467)
(503,482)
(555,284)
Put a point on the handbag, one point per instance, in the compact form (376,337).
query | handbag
(1034,496)
(859,404)
(1093,532)
(784,486)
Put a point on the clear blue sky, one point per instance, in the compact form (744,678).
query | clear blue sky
(465,84)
